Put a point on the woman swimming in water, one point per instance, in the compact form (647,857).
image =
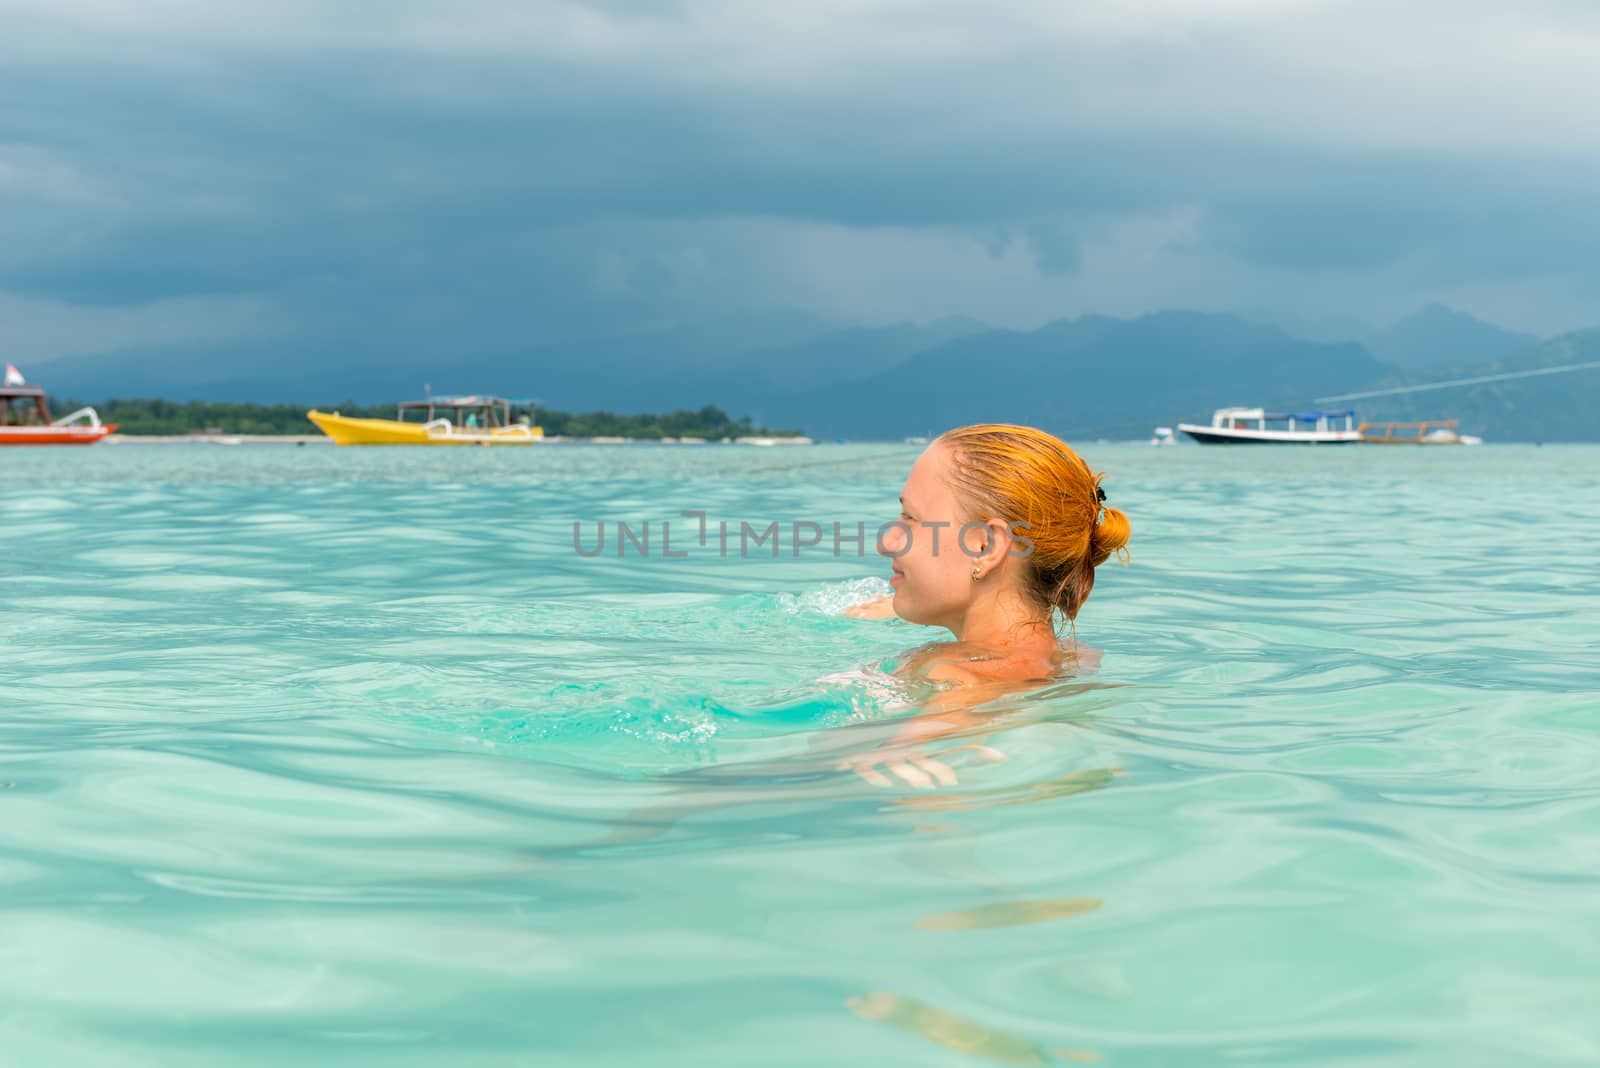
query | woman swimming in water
(1000,527)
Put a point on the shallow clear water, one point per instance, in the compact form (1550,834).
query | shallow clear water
(328,755)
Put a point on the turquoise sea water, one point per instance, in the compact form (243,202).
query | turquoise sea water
(312,755)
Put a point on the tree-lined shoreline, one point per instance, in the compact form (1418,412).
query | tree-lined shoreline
(155,416)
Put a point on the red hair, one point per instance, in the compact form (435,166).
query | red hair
(1032,480)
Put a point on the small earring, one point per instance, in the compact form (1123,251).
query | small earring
(976,574)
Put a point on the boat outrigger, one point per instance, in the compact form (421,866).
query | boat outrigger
(25,417)
(474,420)
(1256,426)
(1428,432)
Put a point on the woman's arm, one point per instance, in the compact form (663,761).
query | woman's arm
(877,608)
(947,714)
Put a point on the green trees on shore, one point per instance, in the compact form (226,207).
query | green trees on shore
(158,416)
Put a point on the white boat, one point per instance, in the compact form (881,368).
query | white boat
(1257,426)
(1163,436)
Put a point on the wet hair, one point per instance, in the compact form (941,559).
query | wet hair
(1025,476)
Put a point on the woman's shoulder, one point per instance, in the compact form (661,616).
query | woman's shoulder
(953,671)
(925,658)
(966,663)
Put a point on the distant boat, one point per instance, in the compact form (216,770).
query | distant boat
(1256,426)
(25,417)
(473,420)
(1163,436)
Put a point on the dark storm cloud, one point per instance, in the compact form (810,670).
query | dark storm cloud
(462,169)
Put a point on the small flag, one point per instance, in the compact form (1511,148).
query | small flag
(14,376)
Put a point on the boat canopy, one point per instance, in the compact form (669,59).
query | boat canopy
(1226,416)
(1262,420)
(473,410)
(23,406)
(471,401)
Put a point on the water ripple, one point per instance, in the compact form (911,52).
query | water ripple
(327,754)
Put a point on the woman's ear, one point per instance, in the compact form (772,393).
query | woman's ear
(998,541)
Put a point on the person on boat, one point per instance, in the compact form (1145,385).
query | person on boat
(1000,528)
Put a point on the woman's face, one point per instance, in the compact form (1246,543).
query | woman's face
(932,576)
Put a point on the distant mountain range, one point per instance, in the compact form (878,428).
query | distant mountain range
(1088,377)
(1434,336)
(1557,407)
(1094,376)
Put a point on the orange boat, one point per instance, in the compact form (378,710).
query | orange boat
(25,418)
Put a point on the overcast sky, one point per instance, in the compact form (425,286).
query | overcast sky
(486,174)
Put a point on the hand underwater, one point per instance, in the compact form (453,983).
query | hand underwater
(911,765)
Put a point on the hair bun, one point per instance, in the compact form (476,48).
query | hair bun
(1110,535)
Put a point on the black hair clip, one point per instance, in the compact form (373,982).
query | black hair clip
(1100,493)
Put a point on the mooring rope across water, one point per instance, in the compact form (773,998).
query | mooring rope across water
(1458,382)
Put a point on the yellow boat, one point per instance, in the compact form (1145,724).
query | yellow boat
(466,421)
